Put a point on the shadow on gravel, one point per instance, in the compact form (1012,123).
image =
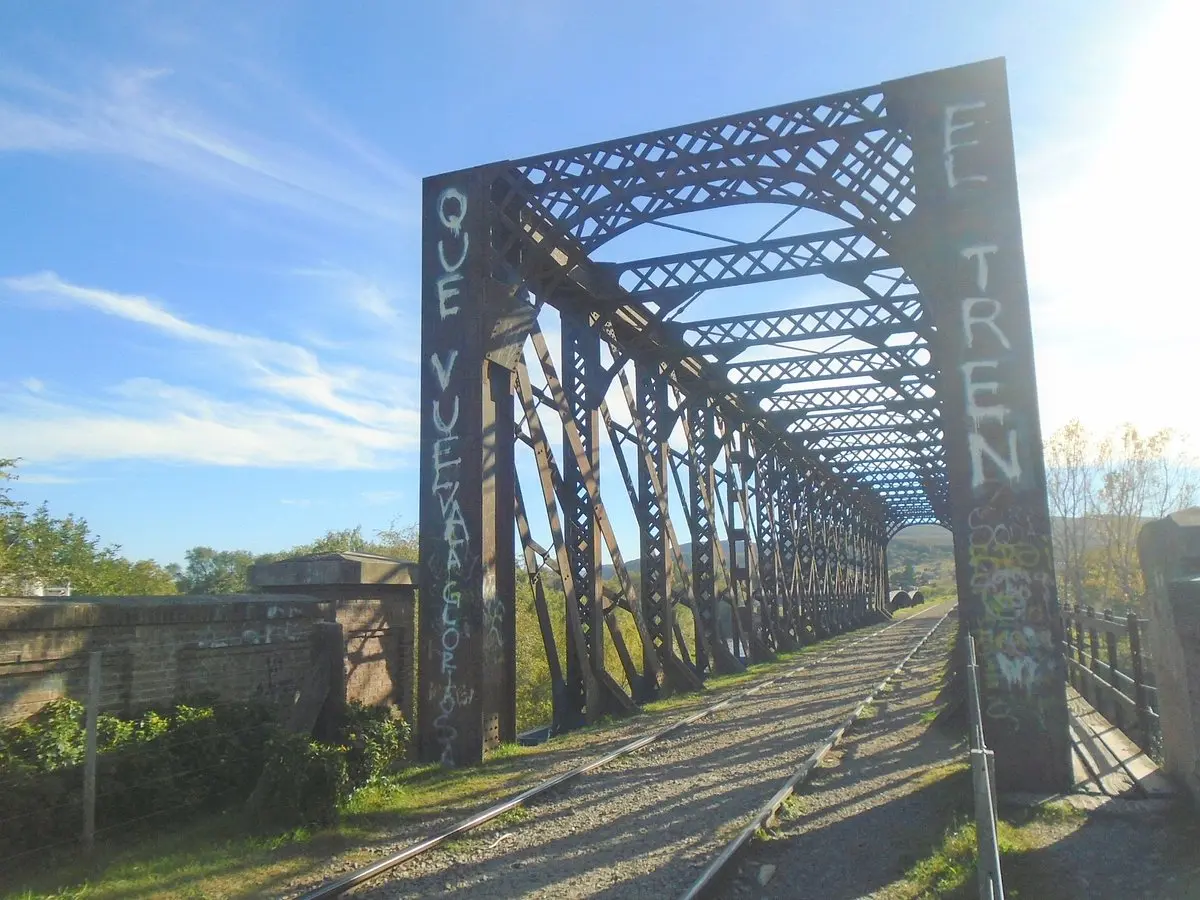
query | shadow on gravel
(1133,855)
(665,801)
(882,803)
(859,855)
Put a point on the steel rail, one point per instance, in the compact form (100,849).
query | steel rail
(340,886)
(769,810)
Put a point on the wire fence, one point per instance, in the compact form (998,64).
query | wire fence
(983,777)
(70,775)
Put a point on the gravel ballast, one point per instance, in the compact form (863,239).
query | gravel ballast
(646,824)
(881,803)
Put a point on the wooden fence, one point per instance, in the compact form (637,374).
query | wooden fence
(1108,664)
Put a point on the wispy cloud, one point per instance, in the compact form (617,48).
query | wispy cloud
(374,299)
(150,420)
(133,113)
(39,478)
(379,498)
(291,407)
(276,367)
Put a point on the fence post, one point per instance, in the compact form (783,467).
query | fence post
(1139,676)
(1081,684)
(1110,646)
(1072,649)
(89,763)
(983,779)
(1094,661)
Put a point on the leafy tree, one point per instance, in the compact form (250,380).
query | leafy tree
(210,571)
(36,544)
(39,545)
(1070,485)
(1101,492)
(399,541)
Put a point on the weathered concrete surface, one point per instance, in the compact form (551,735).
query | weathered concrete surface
(1170,555)
(373,599)
(160,650)
(157,650)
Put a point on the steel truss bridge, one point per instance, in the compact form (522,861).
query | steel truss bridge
(754,460)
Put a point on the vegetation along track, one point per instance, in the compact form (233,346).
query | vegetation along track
(643,823)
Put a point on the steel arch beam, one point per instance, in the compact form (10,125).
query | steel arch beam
(844,252)
(890,362)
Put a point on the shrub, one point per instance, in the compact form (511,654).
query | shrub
(50,739)
(375,738)
(192,756)
(302,783)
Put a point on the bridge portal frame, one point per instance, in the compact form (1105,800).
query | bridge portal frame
(922,172)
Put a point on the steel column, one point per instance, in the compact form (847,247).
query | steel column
(963,248)
(454,530)
(580,382)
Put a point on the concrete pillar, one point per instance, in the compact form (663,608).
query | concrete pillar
(1170,555)
(372,601)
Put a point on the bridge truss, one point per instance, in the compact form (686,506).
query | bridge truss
(756,459)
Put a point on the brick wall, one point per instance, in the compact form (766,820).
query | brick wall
(379,649)
(156,649)
(378,623)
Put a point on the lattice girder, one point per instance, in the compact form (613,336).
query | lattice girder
(890,362)
(812,433)
(845,252)
(866,318)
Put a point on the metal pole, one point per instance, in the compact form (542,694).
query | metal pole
(89,766)
(991,885)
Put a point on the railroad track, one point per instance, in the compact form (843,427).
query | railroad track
(723,863)
(801,712)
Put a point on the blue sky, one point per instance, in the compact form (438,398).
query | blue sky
(209,248)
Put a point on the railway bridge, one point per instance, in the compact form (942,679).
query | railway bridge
(612,371)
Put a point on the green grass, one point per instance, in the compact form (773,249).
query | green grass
(948,869)
(1058,813)
(794,806)
(959,768)
(948,872)
(221,856)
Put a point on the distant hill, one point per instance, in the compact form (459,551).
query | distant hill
(924,547)
(928,548)
(921,545)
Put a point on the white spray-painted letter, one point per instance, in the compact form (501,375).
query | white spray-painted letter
(450,218)
(975,388)
(980,253)
(979,447)
(970,320)
(949,144)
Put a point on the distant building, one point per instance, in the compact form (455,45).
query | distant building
(14,586)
